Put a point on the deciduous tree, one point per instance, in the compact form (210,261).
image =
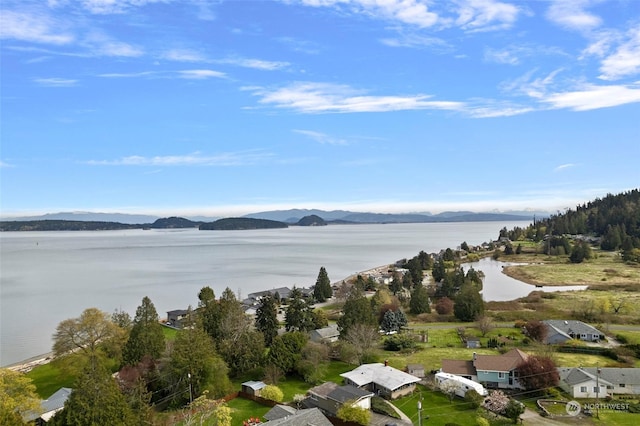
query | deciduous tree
(84,333)
(538,373)
(356,310)
(17,397)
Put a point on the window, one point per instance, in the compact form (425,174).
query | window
(621,385)
(500,375)
(583,389)
(596,389)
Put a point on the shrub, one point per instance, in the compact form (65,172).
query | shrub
(399,342)
(622,339)
(473,398)
(349,413)
(272,392)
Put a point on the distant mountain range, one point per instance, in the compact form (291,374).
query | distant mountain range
(292,216)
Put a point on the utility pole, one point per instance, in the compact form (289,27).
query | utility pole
(190,389)
(598,391)
(420,411)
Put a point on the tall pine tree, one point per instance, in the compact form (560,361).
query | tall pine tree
(146,337)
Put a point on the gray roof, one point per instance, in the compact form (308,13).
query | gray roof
(53,403)
(327,332)
(346,393)
(279,412)
(311,416)
(323,390)
(255,385)
(572,327)
(283,292)
(380,374)
(608,375)
(576,376)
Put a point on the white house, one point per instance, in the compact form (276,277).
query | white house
(382,379)
(589,382)
(325,335)
(560,331)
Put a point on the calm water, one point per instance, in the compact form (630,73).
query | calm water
(46,277)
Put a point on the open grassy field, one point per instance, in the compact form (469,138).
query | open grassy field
(605,269)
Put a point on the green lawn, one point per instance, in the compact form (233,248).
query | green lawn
(48,378)
(242,409)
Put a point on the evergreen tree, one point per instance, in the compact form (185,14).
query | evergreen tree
(146,337)
(419,302)
(468,304)
(356,310)
(322,290)
(389,322)
(95,400)
(267,319)
(298,316)
(286,349)
(439,270)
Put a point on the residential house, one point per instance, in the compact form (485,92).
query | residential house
(279,411)
(253,387)
(589,382)
(49,407)
(560,331)
(382,379)
(325,335)
(176,317)
(460,368)
(310,416)
(499,371)
(493,371)
(330,397)
(254,298)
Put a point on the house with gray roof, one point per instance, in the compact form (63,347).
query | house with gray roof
(560,331)
(253,387)
(589,382)
(493,371)
(279,411)
(382,379)
(325,335)
(309,416)
(49,407)
(330,397)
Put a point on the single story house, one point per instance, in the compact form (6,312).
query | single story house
(279,411)
(49,407)
(493,371)
(175,318)
(587,382)
(330,397)
(253,387)
(382,379)
(560,331)
(325,335)
(254,298)
(309,416)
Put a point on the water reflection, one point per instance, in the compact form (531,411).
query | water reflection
(499,287)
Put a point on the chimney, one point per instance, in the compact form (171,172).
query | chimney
(386,362)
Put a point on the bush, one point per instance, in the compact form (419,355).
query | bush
(622,339)
(473,398)
(272,392)
(349,413)
(399,342)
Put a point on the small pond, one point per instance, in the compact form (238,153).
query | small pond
(498,286)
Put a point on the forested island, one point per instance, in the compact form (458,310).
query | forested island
(241,223)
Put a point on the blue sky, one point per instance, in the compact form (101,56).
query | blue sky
(196,107)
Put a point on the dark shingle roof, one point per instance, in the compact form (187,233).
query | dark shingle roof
(346,393)
(279,412)
(308,417)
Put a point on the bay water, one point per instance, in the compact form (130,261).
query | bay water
(46,277)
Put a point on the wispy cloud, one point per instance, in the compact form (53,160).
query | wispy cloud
(486,15)
(563,167)
(56,82)
(594,97)
(412,12)
(321,138)
(183,55)
(107,7)
(572,15)
(625,61)
(315,98)
(5,165)
(241,158)
(254,63)
(33,26)
(200,74)
(416,41)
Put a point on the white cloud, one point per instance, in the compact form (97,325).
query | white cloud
(571,14)
(242,158)
(183,55)
(503,56)
(6,165)
(625,60)
(200,74)
(416,41)
(594,97)
(105,7)
(313,98)
(254,63)
(116,48)
(485,15)
(129,75)
(33,27)
(411,12)
(563,167)
(56,82)
(321,138)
